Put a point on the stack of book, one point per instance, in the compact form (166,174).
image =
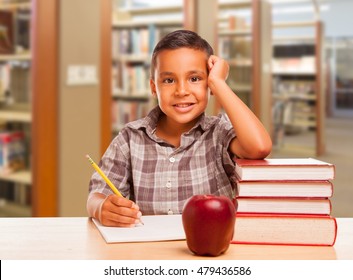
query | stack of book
(285,201)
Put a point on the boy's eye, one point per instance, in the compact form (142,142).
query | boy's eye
(195,79)
(168,81)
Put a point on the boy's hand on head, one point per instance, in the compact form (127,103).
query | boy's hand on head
(119,211)
(218,69)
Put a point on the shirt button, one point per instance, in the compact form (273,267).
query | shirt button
(170,212)
(172,159)
(168,185)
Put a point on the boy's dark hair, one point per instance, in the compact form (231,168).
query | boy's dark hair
(180,39)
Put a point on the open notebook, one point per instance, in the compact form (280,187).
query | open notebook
(155,228)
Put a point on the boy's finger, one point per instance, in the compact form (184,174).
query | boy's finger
(113,219)
(121,201)
(126,211)
(210,63)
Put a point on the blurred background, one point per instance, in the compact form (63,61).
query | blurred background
(73,72)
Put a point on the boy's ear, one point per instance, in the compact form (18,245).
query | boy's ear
(153,87)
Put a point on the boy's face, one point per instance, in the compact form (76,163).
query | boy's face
(180,84)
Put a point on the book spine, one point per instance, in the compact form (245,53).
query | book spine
(293,234)
(284,189)
(290,206)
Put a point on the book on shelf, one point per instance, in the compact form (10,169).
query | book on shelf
(130,79)
(280,205)
(15,78)
(124,112)
(20,88)
(6,32)
(312,230)
(12,151)
(294,50)
(138,41)
(12,192)
(301,65)
(285,188)
(284,169)
(5,74)
(22,29)
(132,41)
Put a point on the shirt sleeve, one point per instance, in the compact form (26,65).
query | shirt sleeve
(227,134)
(116,165)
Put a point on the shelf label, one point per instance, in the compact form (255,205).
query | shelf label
(78,75)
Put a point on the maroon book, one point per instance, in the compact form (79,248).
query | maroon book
(284,169)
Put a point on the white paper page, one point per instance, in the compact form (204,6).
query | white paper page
(155,228)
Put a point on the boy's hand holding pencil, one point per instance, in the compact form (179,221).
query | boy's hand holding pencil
(120,212)
(115,210)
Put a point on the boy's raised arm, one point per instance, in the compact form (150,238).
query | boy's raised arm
(252,141)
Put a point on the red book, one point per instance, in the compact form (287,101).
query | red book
(275,205)
(285,188)
(284,169)
(285,230)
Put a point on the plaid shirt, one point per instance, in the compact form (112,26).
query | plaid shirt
(160,177)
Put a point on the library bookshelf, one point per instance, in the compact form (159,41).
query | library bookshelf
(244,39)
(135,32)
(15,107)
(60,134)
(244,42)
(298,86)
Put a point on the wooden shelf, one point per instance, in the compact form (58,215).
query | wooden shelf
(245,42)
(235,4)
(244,32)
(52,105)
(146,23)
(17,113)
(24,177)
(294,24)
(241,87)
(344,90)
(15,116)
(143,96)
(131,97)
(10,209)
(13,6)
(16,57)
(294,73)
(286,40)
(132,58)
(240,62)
(152,10)
(299,69)
(284,96)
(304,124)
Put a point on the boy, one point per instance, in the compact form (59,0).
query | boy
(158,162)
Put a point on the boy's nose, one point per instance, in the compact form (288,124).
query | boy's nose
(181,89)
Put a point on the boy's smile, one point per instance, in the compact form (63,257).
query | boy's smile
(181,87)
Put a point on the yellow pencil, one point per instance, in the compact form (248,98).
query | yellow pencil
(106,179)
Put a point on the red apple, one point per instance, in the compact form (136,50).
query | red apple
(208,222)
